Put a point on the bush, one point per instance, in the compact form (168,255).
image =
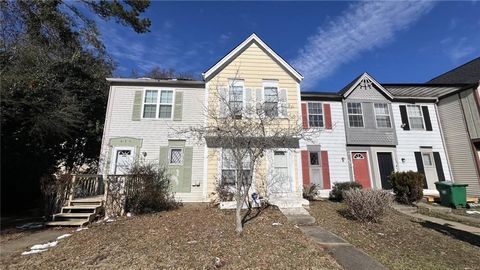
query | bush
(148,189)
(338,188)
(310,191)
(224,192)
(407,186)
(55,189)
(367,205)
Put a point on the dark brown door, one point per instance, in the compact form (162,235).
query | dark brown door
(385,164)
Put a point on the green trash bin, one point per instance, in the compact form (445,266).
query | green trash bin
(452,194)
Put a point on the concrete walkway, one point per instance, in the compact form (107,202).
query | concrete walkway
(348,256)
(412,211)
(25,242)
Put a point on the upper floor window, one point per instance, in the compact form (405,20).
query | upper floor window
(235,97)
(415,116)
(382,115)
(271,98)
(355,114)
(315,114)
(157,105)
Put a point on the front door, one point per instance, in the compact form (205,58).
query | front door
(361,173)
(280,180)
(315,169)
(385,165)
(122,160)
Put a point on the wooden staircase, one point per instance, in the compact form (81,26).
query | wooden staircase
(79,212)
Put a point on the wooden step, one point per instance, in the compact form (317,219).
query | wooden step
(73,215)
(92,209)
(67,223)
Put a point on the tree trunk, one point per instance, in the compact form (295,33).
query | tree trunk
(238,216)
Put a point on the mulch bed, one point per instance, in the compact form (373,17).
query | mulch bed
(191,237)
(401,242)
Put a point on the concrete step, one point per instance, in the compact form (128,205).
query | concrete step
(67,223)
(288,202)
(298,216)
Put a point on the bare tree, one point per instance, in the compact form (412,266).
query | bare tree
(246,128)
(159,73)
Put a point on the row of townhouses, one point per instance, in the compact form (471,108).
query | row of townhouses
(365,131)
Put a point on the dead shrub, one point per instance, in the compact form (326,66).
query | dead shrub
(55,190)
(367,205)
(148,189)
(310,191)
(224,192)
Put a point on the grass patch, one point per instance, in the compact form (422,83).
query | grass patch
(401,242)
(457,215)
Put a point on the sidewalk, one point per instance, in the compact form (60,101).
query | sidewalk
(25,242)
(347,255)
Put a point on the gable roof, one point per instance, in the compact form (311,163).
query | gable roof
(347,90)
(253,38)
(466,73)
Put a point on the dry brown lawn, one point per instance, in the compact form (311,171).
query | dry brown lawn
(188,238)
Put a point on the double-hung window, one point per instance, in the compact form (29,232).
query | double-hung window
(235,97)
(382,115)
(415,117)
(158,104)
(315,114)
(271,98)
(355,114)
(229,168)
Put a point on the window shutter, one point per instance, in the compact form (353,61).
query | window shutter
(328,115)
(282,103)
(305,168)
(177,113)
(304,116)
(420,168)
(438,166)
(249,103)
(185,184)
(223,101)
(259,99)
(325,170)
(163,156)
(426,117)
(137,106)
(403,114)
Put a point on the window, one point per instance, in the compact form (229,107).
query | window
(415,116)
(314,158)
(154,102)
(229,170)
(280,164)
(176,156)
(271,97)
(235,97)
(315,114)
(355,115)
(427,159)
(382,115)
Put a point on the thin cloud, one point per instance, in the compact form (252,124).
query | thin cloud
(361,27)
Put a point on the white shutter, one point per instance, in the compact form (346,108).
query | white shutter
(259,99)
(282,103)
(223,101)
(249,104)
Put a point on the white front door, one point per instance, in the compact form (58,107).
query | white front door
(280,180)
(122,160)
(430,169)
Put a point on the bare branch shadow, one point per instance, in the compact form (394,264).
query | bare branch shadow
(464,236)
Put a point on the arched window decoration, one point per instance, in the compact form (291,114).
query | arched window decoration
(358,156)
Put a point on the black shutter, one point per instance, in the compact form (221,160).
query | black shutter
(438,165)
(426,117)
(403,113)
(420,168)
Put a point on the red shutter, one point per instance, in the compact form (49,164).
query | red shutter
(304,116)
(325,170)
(328,115)
(305,170)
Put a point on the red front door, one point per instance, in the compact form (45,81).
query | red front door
(361,173)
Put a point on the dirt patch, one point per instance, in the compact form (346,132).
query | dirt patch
(191,237)
(399,242)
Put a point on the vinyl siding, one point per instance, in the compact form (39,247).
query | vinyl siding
(409,141)
(253,65)
(156,132)
(471,111)
(458,144)
(333,141)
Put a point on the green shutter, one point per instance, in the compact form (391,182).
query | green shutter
(137,106)
(177,113)
(163,157)
(186,183)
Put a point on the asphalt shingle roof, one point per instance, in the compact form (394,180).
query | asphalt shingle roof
(466,73)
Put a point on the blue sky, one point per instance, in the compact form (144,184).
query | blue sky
(330,43)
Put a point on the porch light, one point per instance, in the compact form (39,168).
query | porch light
(144,154)
(403,160)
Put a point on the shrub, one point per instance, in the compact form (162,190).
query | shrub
(310,191)
(338,188)
(148,189)
(224,192)
(55,189)
(407,186)
(367,205)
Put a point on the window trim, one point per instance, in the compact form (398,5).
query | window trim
(237,82)
(348,114)
(157,110)
(388,114)
(421,116)
(266,83)
(322,114)
(170,156)
(222,168)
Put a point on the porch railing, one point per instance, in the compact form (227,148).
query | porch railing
(86,185)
